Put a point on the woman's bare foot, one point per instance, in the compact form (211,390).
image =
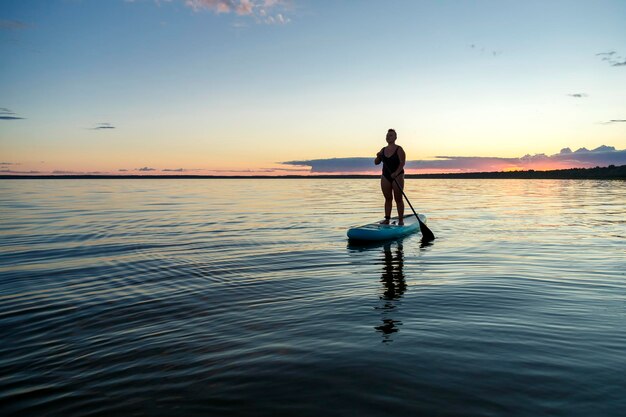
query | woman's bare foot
(386,221)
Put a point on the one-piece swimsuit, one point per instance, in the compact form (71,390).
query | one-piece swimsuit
(390,164)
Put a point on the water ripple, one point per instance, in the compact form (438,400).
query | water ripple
(242,297)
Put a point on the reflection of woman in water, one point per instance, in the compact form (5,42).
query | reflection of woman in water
(394,284)
(393,158)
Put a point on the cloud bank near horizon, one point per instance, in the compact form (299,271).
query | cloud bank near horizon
(9,168)
(566,158)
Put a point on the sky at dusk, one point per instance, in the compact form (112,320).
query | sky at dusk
(300,86)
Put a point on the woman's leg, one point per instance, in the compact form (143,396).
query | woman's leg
(385,186)
(397,195)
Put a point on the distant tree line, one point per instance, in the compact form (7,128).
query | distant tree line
(600,173)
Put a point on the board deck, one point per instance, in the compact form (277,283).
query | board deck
(377,231)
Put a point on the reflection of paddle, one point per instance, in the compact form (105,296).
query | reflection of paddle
(427,235)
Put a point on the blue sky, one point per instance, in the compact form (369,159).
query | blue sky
(240,86)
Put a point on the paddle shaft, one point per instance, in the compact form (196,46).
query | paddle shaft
(406,198)
(427,234)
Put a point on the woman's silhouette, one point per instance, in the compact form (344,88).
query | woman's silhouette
(392,180)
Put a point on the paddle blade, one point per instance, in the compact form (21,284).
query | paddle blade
(427,235)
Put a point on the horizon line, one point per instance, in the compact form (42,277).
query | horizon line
(473,174)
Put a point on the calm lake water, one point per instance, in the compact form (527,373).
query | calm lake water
(243,297)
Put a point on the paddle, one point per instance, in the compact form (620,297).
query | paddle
(427,235)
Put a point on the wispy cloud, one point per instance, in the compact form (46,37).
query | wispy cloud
(6,114)
(258,171)
(64,172)
(263,11)
(581,158)
(10,171)
(614,121)
(103,126)
(578,95)
(6,24)
(483,50)
(181,169)
(55,172)
(145,169)
(612,58)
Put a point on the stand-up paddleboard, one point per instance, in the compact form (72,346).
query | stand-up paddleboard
(377,231)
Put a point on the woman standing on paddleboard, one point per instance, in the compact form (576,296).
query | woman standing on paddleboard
(393,158)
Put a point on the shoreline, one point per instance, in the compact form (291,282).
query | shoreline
(598,173)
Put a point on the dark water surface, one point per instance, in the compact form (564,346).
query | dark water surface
(243,297)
